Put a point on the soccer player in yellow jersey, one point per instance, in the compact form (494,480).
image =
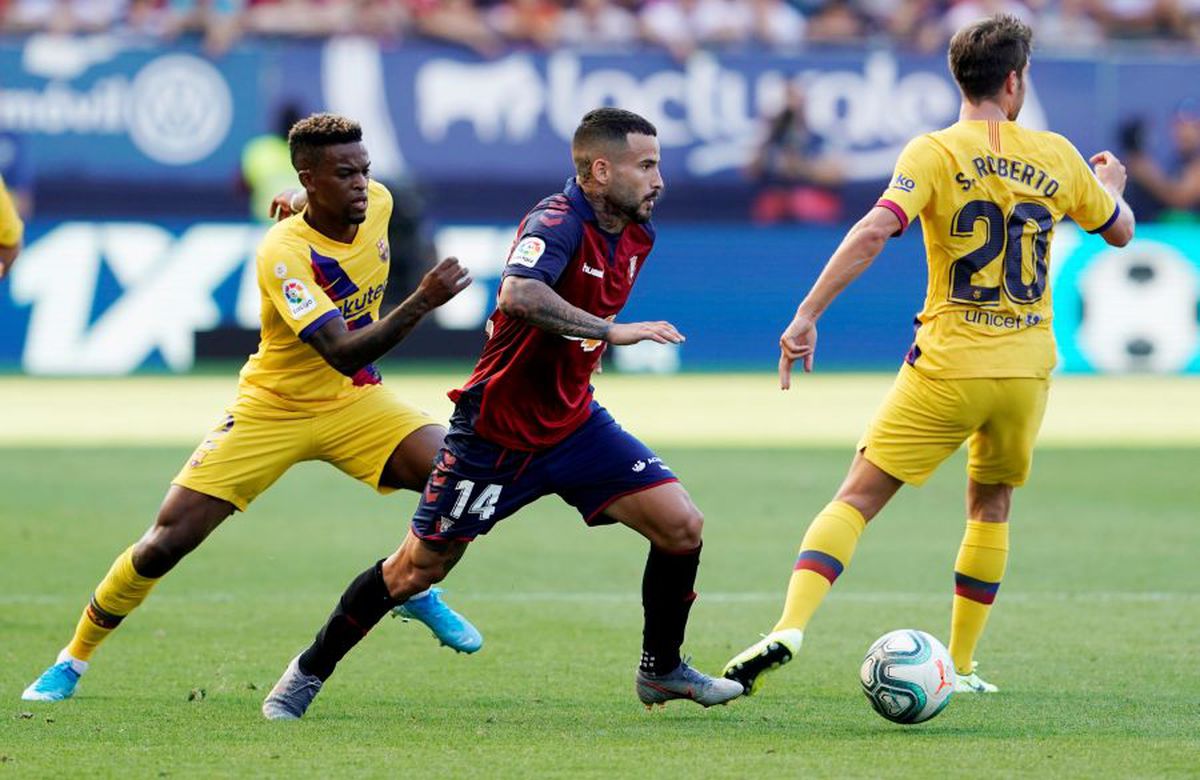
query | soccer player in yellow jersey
(308,393)
(989,193)
(11,231)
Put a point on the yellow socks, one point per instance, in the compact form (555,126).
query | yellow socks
(121,590)
(826,550)
(977,574)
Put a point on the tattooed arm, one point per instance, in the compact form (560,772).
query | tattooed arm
(535,302)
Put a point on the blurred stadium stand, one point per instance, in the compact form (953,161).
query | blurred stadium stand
(129,124)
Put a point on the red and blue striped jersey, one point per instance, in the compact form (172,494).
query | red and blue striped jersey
(532,388)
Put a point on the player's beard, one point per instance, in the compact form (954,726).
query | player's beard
(633,209)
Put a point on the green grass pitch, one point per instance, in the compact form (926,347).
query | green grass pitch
(1093,640)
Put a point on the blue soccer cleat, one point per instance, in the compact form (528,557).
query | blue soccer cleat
(452,629)
(56,683)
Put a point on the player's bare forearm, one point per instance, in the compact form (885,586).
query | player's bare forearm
(857,251)
(348,351)
(536,303)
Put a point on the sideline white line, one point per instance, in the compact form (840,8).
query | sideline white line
(716,597)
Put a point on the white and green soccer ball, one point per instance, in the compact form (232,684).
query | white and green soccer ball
(907,676)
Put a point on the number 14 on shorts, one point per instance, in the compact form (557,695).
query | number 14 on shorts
(484,505)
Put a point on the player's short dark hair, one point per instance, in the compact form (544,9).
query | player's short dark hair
(311,135)
(983,53)
(604,126)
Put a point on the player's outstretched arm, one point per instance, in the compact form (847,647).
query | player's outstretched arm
(1111,174)
(536,302)
(854,255)
(349,350)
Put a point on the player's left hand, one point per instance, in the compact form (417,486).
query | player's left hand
(287,203)
(798,342)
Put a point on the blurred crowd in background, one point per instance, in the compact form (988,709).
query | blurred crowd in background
(794,174)
(491,27)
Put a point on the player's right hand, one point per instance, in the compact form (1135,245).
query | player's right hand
(287,203)
(1109,170)
(798,342)
(447,279)
(633,332)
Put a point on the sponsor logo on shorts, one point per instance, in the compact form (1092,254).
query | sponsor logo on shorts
(443,524)
(299,300)
(527,252)
(640,466)
(211,442)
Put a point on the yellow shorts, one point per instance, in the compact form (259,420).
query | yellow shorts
(254,442)
(922,421)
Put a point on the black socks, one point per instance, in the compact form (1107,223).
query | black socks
(667,596)
(363,603)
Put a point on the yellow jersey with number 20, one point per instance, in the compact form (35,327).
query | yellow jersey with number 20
(989,194)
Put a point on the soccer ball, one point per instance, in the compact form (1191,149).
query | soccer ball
(907,676)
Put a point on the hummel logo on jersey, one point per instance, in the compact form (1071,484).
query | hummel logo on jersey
(596,272)
(639,466)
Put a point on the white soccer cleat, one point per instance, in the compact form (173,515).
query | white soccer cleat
(972,683)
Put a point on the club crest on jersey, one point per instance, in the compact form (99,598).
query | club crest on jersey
(385,253)
(527,252)
(633,267)
(299,300)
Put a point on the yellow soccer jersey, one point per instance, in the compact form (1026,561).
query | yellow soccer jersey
(305,280)
(989,195)
(11,227)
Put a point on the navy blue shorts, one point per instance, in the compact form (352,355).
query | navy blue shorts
(476,484)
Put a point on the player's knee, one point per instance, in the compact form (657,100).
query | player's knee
(156,553)
(173,536)
(685,533)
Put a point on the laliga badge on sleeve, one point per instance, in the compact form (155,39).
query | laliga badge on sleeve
(299,300)
(527,252)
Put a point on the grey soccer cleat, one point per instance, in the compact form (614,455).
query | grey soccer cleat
(685,683)
(290,697)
